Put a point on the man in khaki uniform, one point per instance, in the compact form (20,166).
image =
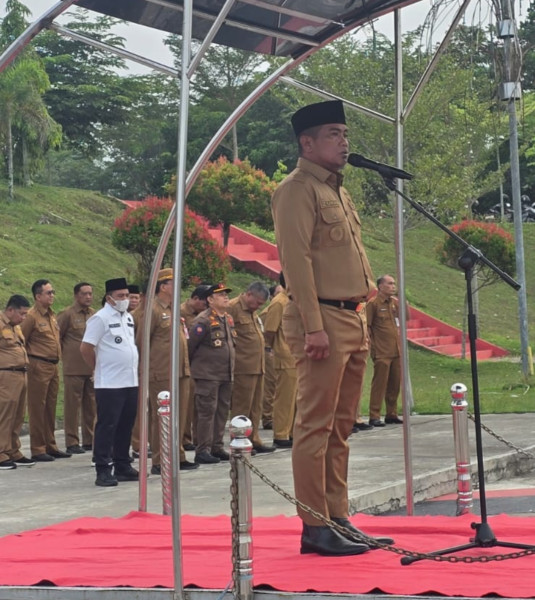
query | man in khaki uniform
(160,363)
(382,314)
(78,391)
(13,367)
(189,309)
(284,369)
(269,370)
(329,280)
(41,332)
(248,389)
(211,352)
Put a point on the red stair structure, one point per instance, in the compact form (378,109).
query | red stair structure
(423,330)
(427,332)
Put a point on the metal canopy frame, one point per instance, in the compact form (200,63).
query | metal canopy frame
(291,28)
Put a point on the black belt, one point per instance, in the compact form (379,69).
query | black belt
(54,361)
(22,369)
(347,304)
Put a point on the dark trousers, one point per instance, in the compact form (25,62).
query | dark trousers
(116,413)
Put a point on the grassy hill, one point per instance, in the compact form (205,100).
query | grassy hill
(59,234)
(65,235)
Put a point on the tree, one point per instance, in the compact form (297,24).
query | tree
(138,231)
(227,193)
(494,242)
(24,120)
(87,91)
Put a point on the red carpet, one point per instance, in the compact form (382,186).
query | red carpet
(136,551)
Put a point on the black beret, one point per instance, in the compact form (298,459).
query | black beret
(116,284)
(321,113)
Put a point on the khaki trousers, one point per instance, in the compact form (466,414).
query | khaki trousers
(212,402)
(385,386)
(247,395)
(270,383)
(12,409)
(284,403)
(155,387)
(190,436)
(325,409)
(43,385)
(79,397)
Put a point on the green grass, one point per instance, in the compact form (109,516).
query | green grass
(82,250)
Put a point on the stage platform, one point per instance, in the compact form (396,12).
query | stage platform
(92,555)
(62,495)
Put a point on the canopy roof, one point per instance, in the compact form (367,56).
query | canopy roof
(276,27)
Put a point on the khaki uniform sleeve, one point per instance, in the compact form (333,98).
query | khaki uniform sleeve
(294,215)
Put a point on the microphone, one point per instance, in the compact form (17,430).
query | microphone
(386,171)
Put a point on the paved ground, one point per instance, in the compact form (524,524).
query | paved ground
(53,492)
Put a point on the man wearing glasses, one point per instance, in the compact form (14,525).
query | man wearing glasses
(41,333)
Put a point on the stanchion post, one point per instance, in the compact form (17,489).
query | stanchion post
(459,407)
(164,417)
(242,508)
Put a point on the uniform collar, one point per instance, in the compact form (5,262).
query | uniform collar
(81,309)
(162,303)
(319,172)
(43,311)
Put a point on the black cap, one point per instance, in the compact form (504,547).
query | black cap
(116,284)
(321,113)
(200,291)
(134,289)
(217,289)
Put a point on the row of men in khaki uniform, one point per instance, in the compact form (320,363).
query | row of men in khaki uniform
(33,342)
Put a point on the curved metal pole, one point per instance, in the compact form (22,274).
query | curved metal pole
(406,392)
(15,48)
(187,27)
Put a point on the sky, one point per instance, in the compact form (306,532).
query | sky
(149,42)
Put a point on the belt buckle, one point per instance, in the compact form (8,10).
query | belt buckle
(342,304)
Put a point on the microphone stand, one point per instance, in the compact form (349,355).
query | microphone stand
(484,537)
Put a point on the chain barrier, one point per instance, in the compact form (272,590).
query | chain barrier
(501,439)
(234,519)
(374,543)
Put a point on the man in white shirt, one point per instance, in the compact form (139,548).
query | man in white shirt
(109,348)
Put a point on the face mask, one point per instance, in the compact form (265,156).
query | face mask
(121,305)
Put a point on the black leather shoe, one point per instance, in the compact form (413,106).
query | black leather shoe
(156,470)
(343,522)
(261,449)
(24,462)
(393,421)
(361,427)
(376,423)
(87,447)
(189,447)
(135,455)
(221,454)
(59,454)
(127,474)
(185,465)
(268,426)
(105,479)
(43,457)
(283,443)
(75,450)
(205,458)
(326,542)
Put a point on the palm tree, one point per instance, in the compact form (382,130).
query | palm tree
(22,110)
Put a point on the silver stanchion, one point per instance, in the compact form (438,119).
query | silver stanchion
(164,416)
(242,508)
(459,407)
